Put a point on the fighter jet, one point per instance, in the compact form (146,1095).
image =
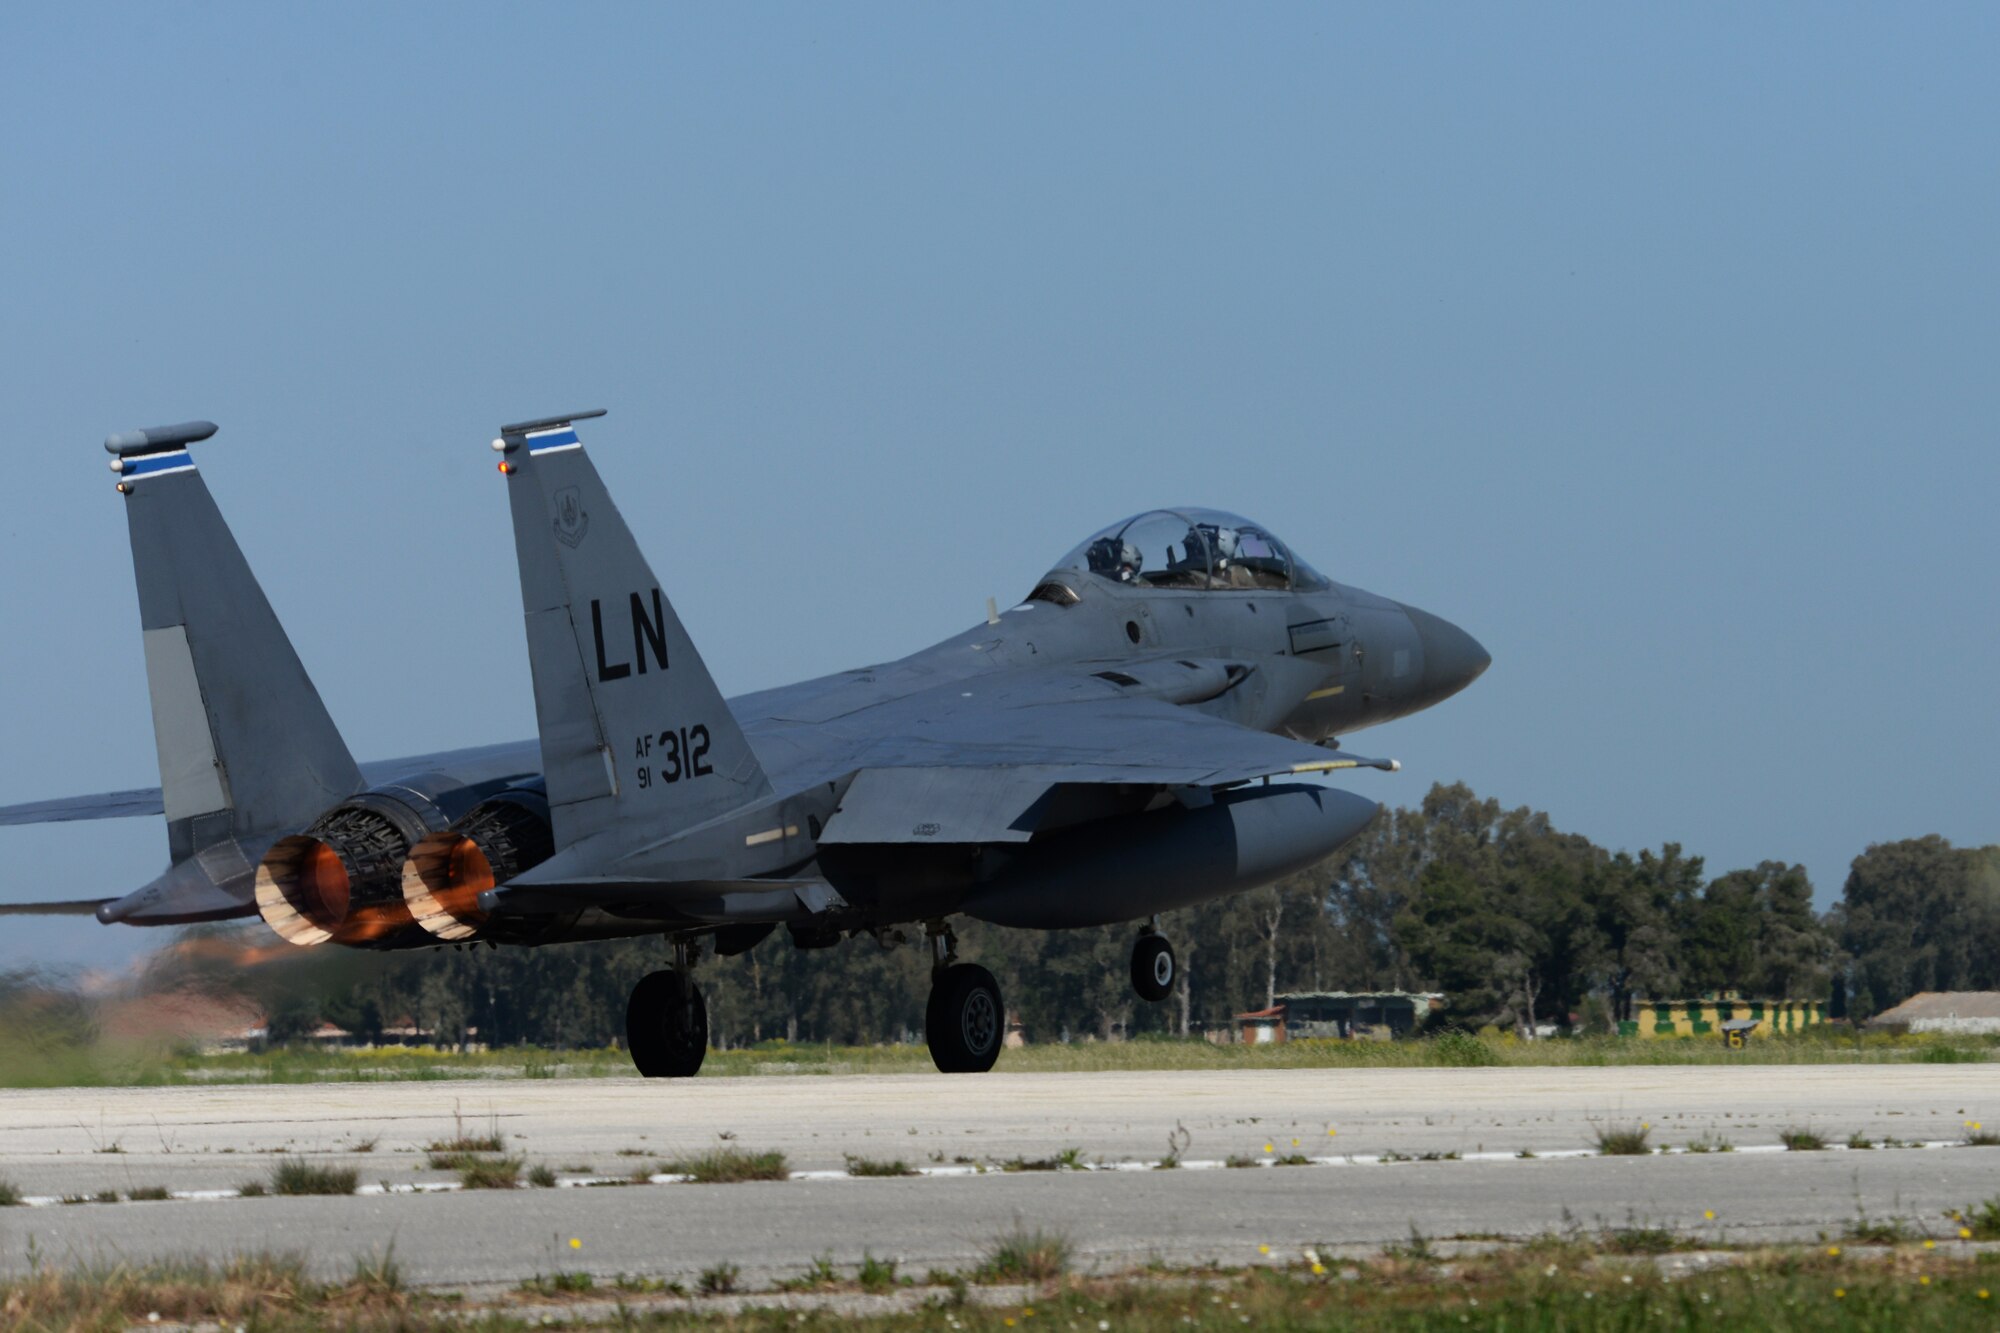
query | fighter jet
(1102,752)
(247,753)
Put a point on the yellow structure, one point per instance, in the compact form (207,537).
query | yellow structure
(1704,1017)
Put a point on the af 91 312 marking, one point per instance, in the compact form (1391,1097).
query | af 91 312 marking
(682,754)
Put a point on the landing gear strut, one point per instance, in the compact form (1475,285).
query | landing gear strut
(965,1020)
(1153,966)
(666,1020)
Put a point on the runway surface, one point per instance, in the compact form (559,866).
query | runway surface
(80,1142)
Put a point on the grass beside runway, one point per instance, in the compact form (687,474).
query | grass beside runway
(28,1064)
(1555,1283)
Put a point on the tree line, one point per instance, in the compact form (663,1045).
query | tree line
(1515,922)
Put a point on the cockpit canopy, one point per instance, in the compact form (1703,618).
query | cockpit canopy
(1192,549)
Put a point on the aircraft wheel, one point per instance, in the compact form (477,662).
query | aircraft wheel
(1153,967)
(666,1028)
(965,1021)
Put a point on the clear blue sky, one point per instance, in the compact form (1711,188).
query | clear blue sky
(1655,347)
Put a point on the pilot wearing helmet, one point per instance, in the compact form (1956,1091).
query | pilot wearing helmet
(1115,558)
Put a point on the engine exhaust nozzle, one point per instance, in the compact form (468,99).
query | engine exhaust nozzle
(446,872)
(336,881)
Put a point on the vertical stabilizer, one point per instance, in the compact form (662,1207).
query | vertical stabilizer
(633,729)
(246,746)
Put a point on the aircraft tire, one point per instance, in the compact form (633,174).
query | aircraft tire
(965,1022)
(666,1037)
(1154,967)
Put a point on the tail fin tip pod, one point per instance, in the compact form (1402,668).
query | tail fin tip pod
(633,729)
(245,744)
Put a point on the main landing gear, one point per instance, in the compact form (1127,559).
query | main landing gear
(1153,964)
(964,1021)
(666,1020)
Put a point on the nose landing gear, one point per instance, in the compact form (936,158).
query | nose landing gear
(1153,966)
(965,1021)
(666,1020)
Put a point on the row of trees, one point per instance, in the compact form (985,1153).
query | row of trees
(1514,921)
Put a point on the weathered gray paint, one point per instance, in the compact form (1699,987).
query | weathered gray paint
(614,668)
(190,772)
(279,759)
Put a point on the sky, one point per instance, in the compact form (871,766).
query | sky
(1655,347)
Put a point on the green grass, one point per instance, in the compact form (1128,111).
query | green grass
(820,1274)
(295,1175)
(1462,1050)
(1801,1140)
(542,1176)
(490,1173)
(875,1275)
(557,1284)
(253,1290)
(1982,1220)
(10,1194)
(1643,1240)
(730,1165)
(1877,1230)
(1624,1140)
(1069,1159)
(378,1275)
(1953,1054)
(1027,1255)
(84,1061)
(149,1194)
(1575,1283)
(875,1166)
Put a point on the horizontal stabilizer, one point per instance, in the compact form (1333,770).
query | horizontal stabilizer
(217,883)
(104,805)
(86,908)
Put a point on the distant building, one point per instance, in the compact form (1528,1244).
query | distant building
(1339,1013)
(1261,1027)
(1958,1011)
(1379,1014)
(1704,1017)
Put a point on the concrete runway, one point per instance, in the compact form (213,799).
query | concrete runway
(61,1142)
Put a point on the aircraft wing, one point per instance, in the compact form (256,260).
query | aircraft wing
(142,801)
(951,772)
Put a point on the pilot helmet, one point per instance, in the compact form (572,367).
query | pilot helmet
(1221,542)
(1115,557)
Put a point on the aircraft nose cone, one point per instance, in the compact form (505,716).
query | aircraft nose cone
(1453,659)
